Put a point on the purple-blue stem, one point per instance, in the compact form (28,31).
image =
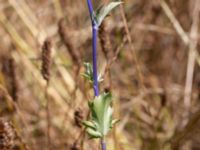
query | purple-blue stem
(94,49)
(103,145)
(90,8)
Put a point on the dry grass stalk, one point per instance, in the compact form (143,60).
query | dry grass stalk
(75,55)
(190,132)
(4,96)
(192,55)
(105,39)
(58,8)
(192,43)
(9,68)
(133,52)
(31,68)
(115,55)
(14,81)
(106,46)
(46,69)
(174,21)
(183,35)
(19,138)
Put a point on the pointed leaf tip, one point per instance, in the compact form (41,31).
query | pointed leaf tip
(103,11)
(93,134)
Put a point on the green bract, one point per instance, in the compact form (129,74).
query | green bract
(103,11)
(101,116)
(88,74)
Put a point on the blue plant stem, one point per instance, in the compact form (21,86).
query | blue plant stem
(94,50)
(90,8)
(103,145)
(94,47)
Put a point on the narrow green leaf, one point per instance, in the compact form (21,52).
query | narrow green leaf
(103,11)
(89,124)
(114,121)
(88,74)
(93,134)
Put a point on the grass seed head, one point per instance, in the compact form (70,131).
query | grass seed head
(78,117)
(75,146)
(9,69)
(7,135)
(46,59)
(14,81)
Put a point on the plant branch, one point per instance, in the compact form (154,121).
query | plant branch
(183,35)
(48,115)
(133,52)
(94,47)
(103,145)
(94,50)
(90,8)
(191,56)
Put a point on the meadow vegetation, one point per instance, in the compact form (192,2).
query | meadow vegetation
(148,59)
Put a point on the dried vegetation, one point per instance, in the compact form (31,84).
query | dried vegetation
(149,50)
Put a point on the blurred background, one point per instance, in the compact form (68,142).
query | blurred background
(148,53)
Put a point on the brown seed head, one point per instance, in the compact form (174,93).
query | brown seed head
(14,81)
(7,135)
(78,117)
(9,69)
(46,59)
(75,146)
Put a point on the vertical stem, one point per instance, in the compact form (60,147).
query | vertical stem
(90,8)
(48,116)
(94,54)
(94,47)
(103,145)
